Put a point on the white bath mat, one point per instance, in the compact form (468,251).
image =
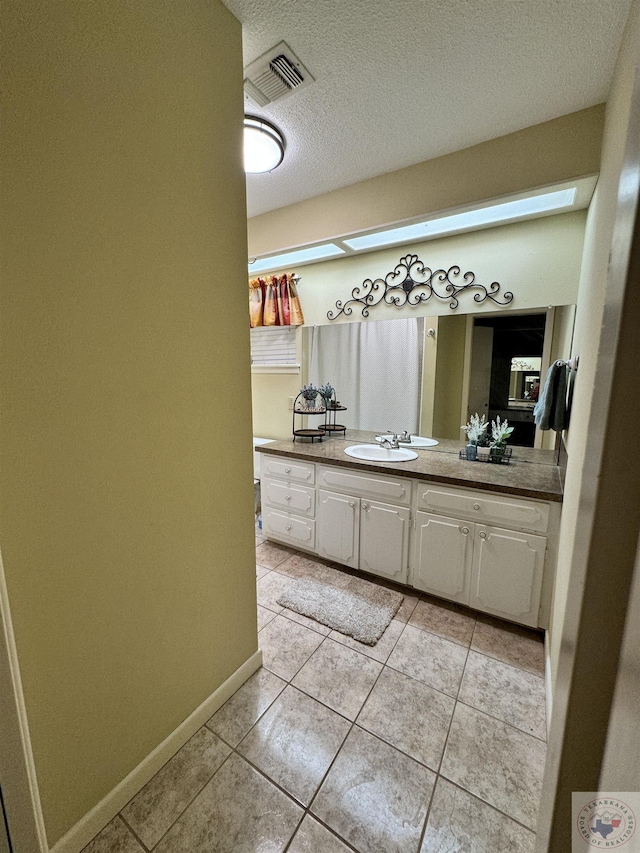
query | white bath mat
(361,610)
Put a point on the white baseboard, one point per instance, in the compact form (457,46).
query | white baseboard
(95,820)
(548,680)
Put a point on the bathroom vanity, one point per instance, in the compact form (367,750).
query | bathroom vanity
(479,534)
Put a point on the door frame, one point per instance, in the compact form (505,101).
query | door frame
(17,768)
(598,603)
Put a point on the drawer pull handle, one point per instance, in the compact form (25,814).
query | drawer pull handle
(287,497)
(476,506)
(483,535)
(465,530)
(365,506)
(288,527)
(351,504)
(287,470)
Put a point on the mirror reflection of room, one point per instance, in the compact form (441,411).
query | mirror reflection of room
(429,374)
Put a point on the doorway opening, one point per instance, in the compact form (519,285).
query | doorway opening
(506,361)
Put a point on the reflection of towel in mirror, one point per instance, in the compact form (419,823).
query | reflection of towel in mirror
(550,411)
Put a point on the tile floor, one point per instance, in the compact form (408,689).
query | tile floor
(432,740)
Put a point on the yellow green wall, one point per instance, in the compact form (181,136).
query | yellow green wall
(449,377)
(539,261)
(590,306)
(562,149)
(126,507)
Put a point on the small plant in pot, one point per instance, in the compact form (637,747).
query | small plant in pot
(309,393)
(476,431)
(484,447)
(326,391)
(500,432)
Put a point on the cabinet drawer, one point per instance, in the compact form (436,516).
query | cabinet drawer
(397,490)
(288,469)
(291,528)
(287,496)
(479,506)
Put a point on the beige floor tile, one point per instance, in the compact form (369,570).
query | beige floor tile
(506,692)
(246,706)
(338,677)
(238,811)
(260,539)
(312,837)
(409,715)
(114,838)
(375,797)
(294,743)
(270,588)
(265,616)
(302,566)
(432,660)
(163,799)
(509,643)
(382,648)
(459,822)
(446,620)
(407,607)
(261,571)
(286,646)
(496,762)
(270,555)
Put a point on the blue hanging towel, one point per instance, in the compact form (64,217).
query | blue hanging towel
(550,411)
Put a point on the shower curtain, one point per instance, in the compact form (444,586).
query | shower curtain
(376,368)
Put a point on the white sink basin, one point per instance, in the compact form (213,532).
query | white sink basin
(416,441)
(380,454)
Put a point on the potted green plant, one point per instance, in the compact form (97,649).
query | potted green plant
(326,391)
(500,432)
(309,393)
(475,429)
(484,447)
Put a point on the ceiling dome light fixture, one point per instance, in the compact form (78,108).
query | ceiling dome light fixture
(263,145)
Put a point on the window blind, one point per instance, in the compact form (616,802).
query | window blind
(273,345)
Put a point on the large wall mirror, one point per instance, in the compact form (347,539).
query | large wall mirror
(427,374)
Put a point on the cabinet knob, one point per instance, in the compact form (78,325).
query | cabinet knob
(288,527)
(483,535)
(365,506)
(351,504)
(476,506)
(287,497)
(465,530)
(287,470)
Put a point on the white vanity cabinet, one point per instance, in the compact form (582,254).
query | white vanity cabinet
(288,498)
(506,577)
(488,550)
(339,528)
(498,570)
(443,549)
(359,531)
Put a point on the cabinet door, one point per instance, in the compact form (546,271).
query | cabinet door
(384,539)
(338,527)
(442,556)
(507,573)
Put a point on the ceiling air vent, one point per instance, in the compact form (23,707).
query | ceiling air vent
(275,75)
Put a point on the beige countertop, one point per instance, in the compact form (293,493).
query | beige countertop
(530,473)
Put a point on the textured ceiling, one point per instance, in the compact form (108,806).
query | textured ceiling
(404,81)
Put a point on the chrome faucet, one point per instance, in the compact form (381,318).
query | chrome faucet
(390,443)
(405,437)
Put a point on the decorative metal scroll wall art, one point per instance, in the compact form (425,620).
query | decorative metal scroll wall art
(412,283)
